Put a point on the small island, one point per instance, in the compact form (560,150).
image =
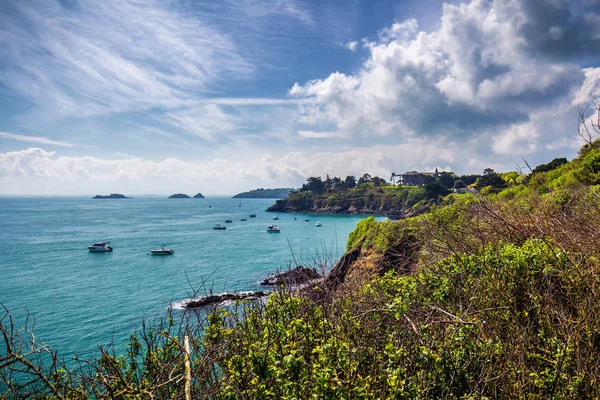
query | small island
(179,196)
(199,196)
(279,193)
(111,196)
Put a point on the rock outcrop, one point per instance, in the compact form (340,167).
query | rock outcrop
(296,276)
(179,196)
(214,299)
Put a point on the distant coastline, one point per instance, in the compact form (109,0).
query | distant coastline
(179,196)
(112,196)
(278,193)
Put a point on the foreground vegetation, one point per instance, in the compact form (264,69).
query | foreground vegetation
(488,295)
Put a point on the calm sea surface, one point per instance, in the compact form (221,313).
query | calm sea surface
(82,299)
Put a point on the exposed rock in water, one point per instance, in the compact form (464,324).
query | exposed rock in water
(220,298)
(179,196)
(199,196)
(296,276)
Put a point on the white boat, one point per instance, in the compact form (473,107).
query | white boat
(273,228)
(306,219)
(276,217)
(100,247)
(318,223)
(252,215)
(162,252)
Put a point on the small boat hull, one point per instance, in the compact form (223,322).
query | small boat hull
(106,250)
(162,252)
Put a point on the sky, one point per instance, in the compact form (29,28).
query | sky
(219,97)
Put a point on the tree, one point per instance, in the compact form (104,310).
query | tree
(469,179)
(366,178)
(377,181)
(350,181)
(446,179)
(488,171)
(313,183)
(435,189)
(490,179)
(557,162)
(458,184)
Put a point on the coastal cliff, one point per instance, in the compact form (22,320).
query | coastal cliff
(396,202)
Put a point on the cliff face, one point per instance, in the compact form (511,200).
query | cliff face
(395,202)
(374,249)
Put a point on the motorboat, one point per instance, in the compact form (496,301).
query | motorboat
(219,226)
(100,247)
(244,219)
(295,218)
(252,215)
(273,228)
(162,252)
(228,220)
(276,217)
(318,224)
(306,219)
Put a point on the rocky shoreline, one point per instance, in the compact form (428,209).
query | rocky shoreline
(394,214)
(291,278)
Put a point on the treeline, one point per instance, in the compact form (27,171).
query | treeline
(278,193)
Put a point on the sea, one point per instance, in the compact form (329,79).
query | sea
(79,300)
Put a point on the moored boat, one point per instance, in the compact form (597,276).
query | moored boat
(252,215)
(276,217)
(273,229)
(228,220)
(100,247)
(318,224)
(162,252)
(219,226)
(244,219)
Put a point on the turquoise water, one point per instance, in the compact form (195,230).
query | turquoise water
(82,299)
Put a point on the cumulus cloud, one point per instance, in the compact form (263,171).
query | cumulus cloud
(32,167)
(489,74)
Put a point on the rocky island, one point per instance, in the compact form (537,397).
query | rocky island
(179,196)
(111,196)
(199,196)
(279,193)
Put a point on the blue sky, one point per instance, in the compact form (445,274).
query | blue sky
(219,97)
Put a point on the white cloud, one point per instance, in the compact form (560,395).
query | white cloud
(114,56)
(35,139)
(477,78)
(319,135)
(352,46)
(36,170)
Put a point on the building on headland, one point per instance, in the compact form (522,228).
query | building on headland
(416,178)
